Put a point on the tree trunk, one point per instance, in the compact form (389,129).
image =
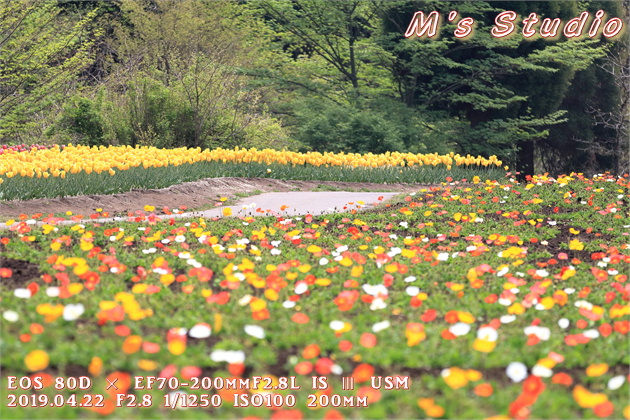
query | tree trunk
(525,158)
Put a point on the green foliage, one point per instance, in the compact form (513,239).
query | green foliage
(379,127)
(192,50)
(153,115)
(81,117)
(41,54)
(339,128)
(148,113)
(502,93)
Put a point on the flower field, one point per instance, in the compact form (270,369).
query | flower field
(480,299)
(78,170)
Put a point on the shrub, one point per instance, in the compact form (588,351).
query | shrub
(377,127)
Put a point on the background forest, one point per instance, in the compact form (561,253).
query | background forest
(333,76)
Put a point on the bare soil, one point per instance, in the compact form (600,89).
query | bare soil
(193,195)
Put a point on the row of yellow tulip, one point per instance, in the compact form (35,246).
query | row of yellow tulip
(74,159)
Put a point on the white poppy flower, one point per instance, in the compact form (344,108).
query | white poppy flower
(73,311)
(563,323)
(377,304)
(541,371)
(516,371)
(505,302)
(255,331)
(616,382)
(230,356)
(301,287)
(542,333)
(336,325)
(369,289)
(459,329)
(412,290)
(503,271)
(394,251)
(10,316)
(22,293)
(583,304)
(380,326)
(244,300)
(200,331)
(487,334)
(592,333)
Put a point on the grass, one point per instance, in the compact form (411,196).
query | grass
(479,254)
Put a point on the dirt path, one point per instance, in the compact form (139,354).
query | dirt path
(279,204)
(194,195)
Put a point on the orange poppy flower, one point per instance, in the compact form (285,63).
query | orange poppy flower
(304,368)
(363,372)
(483,390)
(368,340)
(287,415)
(300,318)
(311,351)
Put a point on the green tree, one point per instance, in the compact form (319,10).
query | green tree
(333,77)
(332,44)
(197,51)
(41,54)
(487,85)
(595,136)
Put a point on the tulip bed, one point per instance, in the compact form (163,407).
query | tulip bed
(78,170)
(496,300)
